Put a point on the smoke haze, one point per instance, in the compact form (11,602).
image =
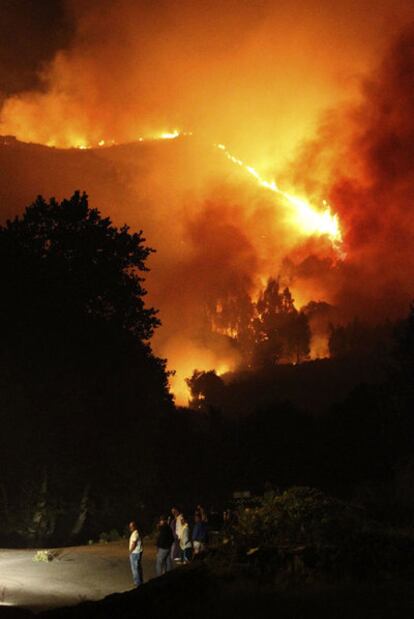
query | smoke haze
(366,153)
(253,74)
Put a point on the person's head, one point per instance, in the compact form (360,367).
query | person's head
(132,526)
(162,520)
(175,512)
(184,519)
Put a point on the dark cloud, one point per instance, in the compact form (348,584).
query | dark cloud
(365,157)
(31,31)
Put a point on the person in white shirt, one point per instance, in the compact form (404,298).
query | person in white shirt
(185,542)
(176,527)
(135,554)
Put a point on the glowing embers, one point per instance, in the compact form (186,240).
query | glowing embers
(169,135)
(307,218)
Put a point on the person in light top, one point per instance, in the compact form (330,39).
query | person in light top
(135,554)
(176,527)
(186,546)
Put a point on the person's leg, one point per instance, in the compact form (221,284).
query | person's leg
(139,569)
(134,571)
(159,561)
(187,555)
(163,557)
(168,562)
(175,551)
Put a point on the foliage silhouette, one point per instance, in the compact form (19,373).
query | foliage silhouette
(80,377)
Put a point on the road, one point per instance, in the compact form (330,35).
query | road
(76,574)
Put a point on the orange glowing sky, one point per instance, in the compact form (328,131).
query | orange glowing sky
(254,75)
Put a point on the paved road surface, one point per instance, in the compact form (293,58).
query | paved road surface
(75,575)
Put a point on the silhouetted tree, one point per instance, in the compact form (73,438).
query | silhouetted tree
(75,337)
(205,387)
(405,344)
(233,318)
(65,255)
(360,339)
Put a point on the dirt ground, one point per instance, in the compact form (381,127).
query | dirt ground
(75,575)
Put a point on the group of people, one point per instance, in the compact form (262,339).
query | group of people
(176,542)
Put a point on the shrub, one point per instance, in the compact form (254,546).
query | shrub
(304,533)
(110,536)
(43,555)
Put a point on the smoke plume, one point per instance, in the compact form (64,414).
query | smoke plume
(366,153)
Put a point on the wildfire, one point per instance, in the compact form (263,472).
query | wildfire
(307,218)
(170,135)
(167,135)
(81,143)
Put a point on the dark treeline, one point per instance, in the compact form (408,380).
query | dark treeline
(344,424)
(90,436)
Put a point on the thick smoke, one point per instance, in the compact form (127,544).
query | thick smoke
(366,153)
(31,32)
(254,75)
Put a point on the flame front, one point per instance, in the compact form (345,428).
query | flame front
(306,218)
(70,140)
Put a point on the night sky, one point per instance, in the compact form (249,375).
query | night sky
(30,34)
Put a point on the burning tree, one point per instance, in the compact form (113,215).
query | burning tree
(267,332)
(281,332)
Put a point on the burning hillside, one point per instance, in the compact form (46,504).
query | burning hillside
(237,230)
(215,231)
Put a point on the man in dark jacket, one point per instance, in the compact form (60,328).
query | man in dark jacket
(199,534)
(165,540)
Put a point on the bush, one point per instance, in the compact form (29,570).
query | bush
(111,536)
(304,533)
(43,555)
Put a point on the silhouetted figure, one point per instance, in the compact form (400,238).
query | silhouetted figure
(185,542)
(200,511)
(164,543)
(199,534)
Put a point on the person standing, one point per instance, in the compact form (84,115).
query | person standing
(176,528)
(164,542)
(202,513)
(135,554)
(185,542)
(199,534)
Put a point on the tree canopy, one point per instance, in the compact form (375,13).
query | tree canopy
(75,349)
(65,257)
